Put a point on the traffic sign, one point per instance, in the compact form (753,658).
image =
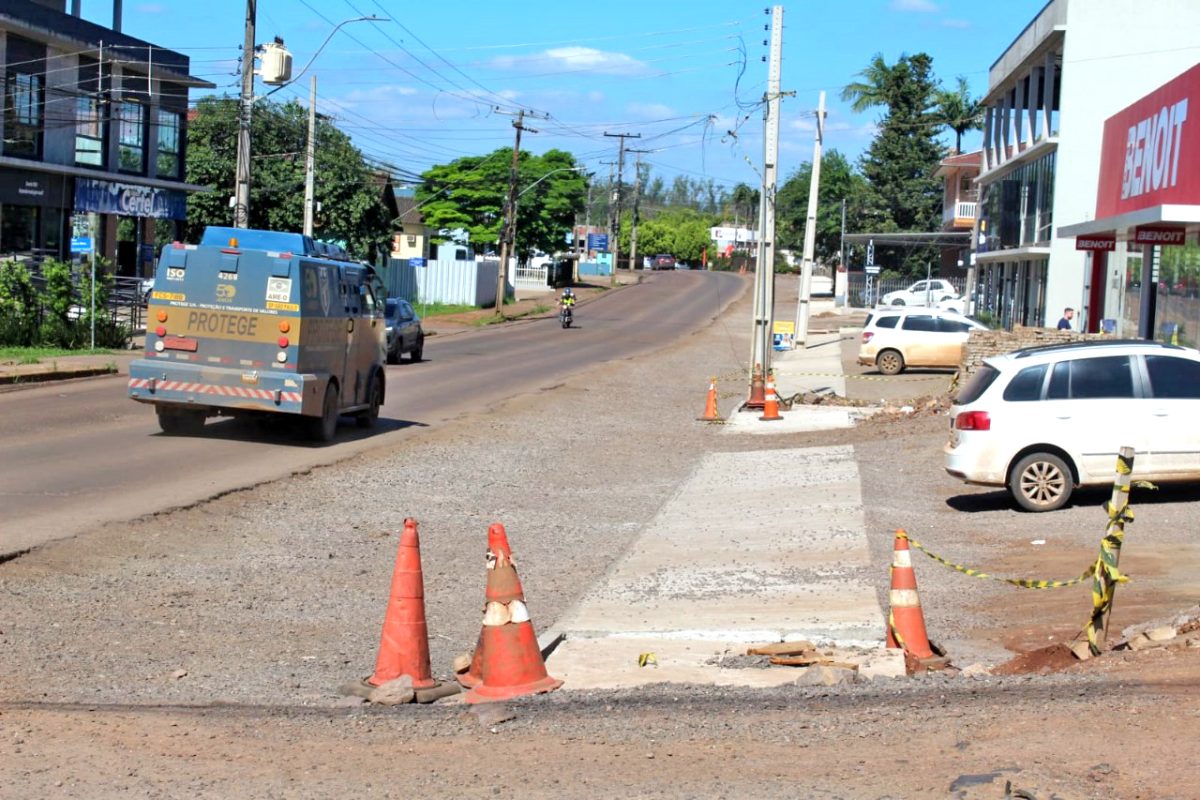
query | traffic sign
(416,262)
(872,269)
(81,244)
(597,241)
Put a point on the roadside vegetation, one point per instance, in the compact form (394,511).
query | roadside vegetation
(51,308)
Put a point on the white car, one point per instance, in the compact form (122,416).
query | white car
(1046,420)
(896,338)
(922,293)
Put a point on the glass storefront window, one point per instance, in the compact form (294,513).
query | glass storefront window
(89,133)
(23,115)
(167,162)
(18,228)
(131,137)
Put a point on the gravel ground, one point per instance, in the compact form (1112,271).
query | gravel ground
(197,652)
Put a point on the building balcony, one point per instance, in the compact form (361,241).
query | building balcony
(960,215)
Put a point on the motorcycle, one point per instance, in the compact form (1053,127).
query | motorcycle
(565,316)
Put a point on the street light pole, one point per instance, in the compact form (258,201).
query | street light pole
(241,208)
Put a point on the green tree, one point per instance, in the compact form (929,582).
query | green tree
(470,194)
(958,111)
(839,181)
(899,164)
(348,190)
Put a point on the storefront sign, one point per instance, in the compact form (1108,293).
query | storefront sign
(1150,154)
(128,200)
(1158,234)
(1101,243)
(29,188)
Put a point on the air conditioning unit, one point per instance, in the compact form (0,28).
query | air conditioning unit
(276,63)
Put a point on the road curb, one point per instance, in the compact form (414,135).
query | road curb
(14,381)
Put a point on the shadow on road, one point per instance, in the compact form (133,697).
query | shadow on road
(1092,496)
(289,431)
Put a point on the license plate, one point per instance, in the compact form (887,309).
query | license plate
(179,343)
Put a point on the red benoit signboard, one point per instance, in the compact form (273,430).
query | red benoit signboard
(1158,234)
(1151,151)
(1102,243)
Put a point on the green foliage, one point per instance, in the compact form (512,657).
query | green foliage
(958,111)
(347,189)
(839,182)
(58,295)
(32,317)
(470,193)
(681,232)
(20,305)
(899,165)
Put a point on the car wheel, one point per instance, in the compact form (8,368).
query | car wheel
(367,417)
(890,362)
(175,422)
(324,427)
(418,349)
(897,302)
(1041,482)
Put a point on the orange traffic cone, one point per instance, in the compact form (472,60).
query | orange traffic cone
(404,644)
(757,400)
(512,663)
(497,543)
(906,621)
(710,405)
(771,404)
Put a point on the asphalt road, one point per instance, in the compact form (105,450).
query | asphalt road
(81,454)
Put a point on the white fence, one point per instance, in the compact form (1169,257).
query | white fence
(471,283)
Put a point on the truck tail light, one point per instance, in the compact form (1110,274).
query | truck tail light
(973,421)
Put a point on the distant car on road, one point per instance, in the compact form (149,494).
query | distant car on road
(921,293)
(404,331)
(895,339)
(663,261)
(1044,420)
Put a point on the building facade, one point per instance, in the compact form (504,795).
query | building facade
(960,204)
(93,137)
(1075,64)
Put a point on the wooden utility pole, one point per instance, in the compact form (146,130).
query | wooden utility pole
(810,231)
(241,202)
(310,157)
(614,243)
(510,208)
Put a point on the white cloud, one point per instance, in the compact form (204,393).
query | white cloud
(651,110)
(959,24)
(922,6)
(573,59)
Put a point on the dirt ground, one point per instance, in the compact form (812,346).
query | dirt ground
(197,653)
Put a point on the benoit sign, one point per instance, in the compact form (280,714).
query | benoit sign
(1151,151)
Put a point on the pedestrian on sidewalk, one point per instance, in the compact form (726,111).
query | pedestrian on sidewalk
(1064,324)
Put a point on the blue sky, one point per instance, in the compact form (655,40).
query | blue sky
(688,75)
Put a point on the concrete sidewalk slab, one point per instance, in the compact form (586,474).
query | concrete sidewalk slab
(760,546)
(797,419)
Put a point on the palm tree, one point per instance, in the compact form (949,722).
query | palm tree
(872,89)
(958,112)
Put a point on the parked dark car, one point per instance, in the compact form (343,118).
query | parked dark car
(404,332)
(663,261)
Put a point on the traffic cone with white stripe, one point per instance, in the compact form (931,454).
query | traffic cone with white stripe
(511,661)
(906,621)
(771,403)
(710,405)
(497,543)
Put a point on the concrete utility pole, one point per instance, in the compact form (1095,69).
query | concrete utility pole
(637,196)
(764,272)
(614,243)
(310,156)
(810,231)
(506,229)
(241,207)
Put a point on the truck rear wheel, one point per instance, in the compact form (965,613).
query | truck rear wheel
(367,417)
(324,427)
(180,422)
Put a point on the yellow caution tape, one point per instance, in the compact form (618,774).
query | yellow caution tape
(1106,573)
(646,659)
(1024,583)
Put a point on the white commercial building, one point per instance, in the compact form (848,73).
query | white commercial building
(1073,66)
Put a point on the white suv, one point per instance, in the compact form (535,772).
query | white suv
(1045,420)
(922,293)
(896,338)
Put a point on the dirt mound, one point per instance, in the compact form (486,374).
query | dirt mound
(1054,658)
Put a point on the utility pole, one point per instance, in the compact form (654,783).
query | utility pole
(764,271)
(810,231)
(842,267)
(241,207)
(310,156)
(510,209)
(615,243)
(637,196)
